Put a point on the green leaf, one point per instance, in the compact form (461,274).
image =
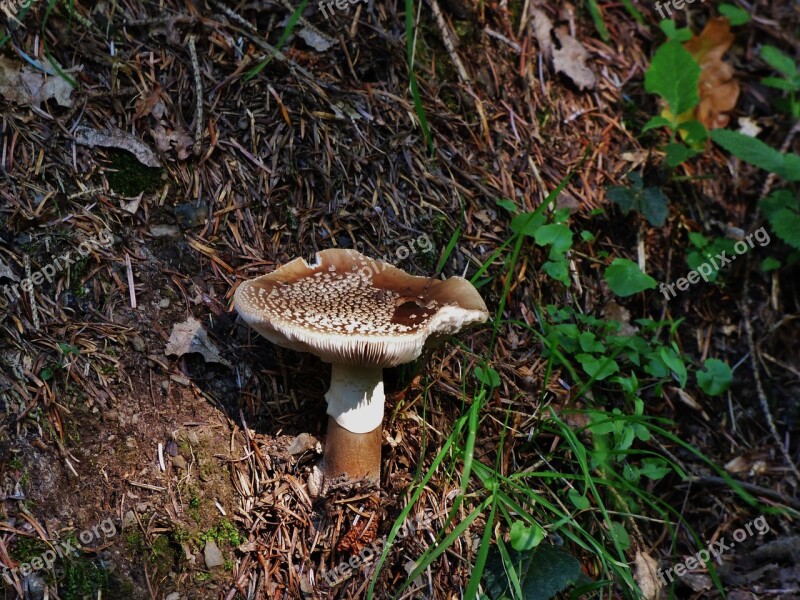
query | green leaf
(770,264)
(655,206)
(678,153)
(736,15)
(541,572)
(626,279)
(578,501)
(696,131)
(715,378)
(555,235)
(781,84)
(509,205)
(756,152)
(557,269)
(779,60)
(657,121)
(786,224)
(527,223)
(654,468)
(587,236)
(675,363)
(524,536)
(597,368)
(490,377)
(670,29)
(589,343)
(674,75)
(619,533)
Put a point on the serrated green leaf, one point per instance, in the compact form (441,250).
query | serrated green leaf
(623,197)
(654,468)
(625,278)
(590,343)
(674,75)
(736,15)
(756,152)
(786,224)
(715,378)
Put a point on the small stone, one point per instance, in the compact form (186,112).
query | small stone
(179,462)
(163,303)
(129,520)
(303,443)
(173,596)
(138,343)
(212,555)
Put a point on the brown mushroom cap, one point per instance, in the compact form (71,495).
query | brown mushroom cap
(350,309)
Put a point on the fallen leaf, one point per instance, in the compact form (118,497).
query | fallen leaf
(645,574)
(303,443)
(542,26)
(115,138)
(719,91)
(23,85)
(164,141)
(189,337)
(571,59)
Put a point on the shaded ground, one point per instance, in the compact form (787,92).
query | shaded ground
(325,149)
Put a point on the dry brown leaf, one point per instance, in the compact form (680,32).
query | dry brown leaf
(719,91)
(189,337)
(164,141)
(571,59)
(23,85)
(645,574)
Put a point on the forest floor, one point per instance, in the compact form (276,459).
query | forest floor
(147,168)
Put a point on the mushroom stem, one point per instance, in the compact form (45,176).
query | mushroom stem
(355,405)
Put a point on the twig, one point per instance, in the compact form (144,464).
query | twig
(449,44)
(748,327)
(198,91)
(750,487)
(131,289)
(34,308)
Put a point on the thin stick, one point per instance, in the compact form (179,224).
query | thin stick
(449,44)
(131,289)
(198,92)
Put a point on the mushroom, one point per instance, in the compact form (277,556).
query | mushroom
(360,315)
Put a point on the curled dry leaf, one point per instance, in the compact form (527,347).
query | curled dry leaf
(719,91)
(190,336)
(115,138)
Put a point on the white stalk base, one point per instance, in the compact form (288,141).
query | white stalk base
(356,398)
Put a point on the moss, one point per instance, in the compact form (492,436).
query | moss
(27,548)
(127,176)
(83,579)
